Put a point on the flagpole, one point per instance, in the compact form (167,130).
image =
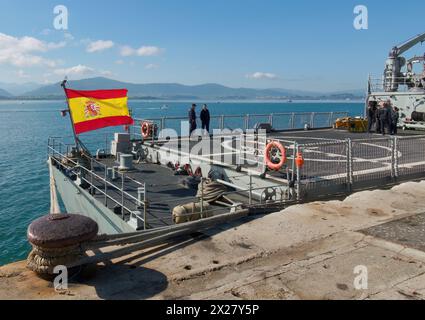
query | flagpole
(63,85)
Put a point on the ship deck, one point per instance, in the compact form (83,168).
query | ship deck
(325,151)
(165,190)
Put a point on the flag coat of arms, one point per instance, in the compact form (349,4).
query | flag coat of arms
(92,110)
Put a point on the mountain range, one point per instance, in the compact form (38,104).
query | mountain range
(153,91)
(5,94)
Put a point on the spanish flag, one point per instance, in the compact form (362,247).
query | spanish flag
(92,110)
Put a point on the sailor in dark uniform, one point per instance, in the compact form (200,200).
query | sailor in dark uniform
(192,118)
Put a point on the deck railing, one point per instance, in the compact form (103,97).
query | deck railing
(396,84)
(278,121)
(346,165)
(96,177)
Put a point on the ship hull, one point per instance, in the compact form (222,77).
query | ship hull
(78,200)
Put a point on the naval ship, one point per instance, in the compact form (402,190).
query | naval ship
(402,85)
(152,175)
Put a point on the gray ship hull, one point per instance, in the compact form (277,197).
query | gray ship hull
(78,200)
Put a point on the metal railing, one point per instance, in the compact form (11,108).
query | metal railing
(347,164)
(96,176)
(279,121)
(399,84)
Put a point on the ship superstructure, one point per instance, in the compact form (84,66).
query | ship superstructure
(402,84)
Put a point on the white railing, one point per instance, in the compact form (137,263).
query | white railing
(397,84)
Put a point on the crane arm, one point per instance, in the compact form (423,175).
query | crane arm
(402,48)
(416,59)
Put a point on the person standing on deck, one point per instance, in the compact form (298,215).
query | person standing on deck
(192,118)
(371,115)
(205,118)
(394,120)
(377,118)
(385,117)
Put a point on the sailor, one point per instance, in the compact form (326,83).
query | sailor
(377,117)
(192,118)
(371,115)
(385,116)
(205,118)
(395,115)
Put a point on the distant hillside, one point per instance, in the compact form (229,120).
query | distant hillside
(171,91)
(5,94)
(17,89)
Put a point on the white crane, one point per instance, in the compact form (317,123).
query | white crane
(392,74)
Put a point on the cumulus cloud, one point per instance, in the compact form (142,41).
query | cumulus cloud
(106,73)
(25,51)
(145,51)
(80,71)
(262,76)
(99,45)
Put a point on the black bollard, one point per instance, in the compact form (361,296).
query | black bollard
(57,239)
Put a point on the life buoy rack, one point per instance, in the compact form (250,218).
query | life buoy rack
(269,161)
(147,130)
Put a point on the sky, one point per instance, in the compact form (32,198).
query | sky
(305,44)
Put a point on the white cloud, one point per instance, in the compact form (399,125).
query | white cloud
(145,51)
(68,36)
(119,62)
(99,45)
(151,66)
(79,70)
(21,52)
(262,76)
(127,51)
(106,73)
(58,45)
(149,51)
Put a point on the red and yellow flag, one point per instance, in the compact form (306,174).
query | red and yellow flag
(92,110)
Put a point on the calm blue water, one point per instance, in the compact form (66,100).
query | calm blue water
(25,128)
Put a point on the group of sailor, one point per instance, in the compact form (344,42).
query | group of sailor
(204,116)
(384,116)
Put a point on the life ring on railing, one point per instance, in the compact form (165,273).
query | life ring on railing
(271,156)
(146,130)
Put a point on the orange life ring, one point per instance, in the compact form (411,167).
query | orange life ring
(146,130)
(269,162)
